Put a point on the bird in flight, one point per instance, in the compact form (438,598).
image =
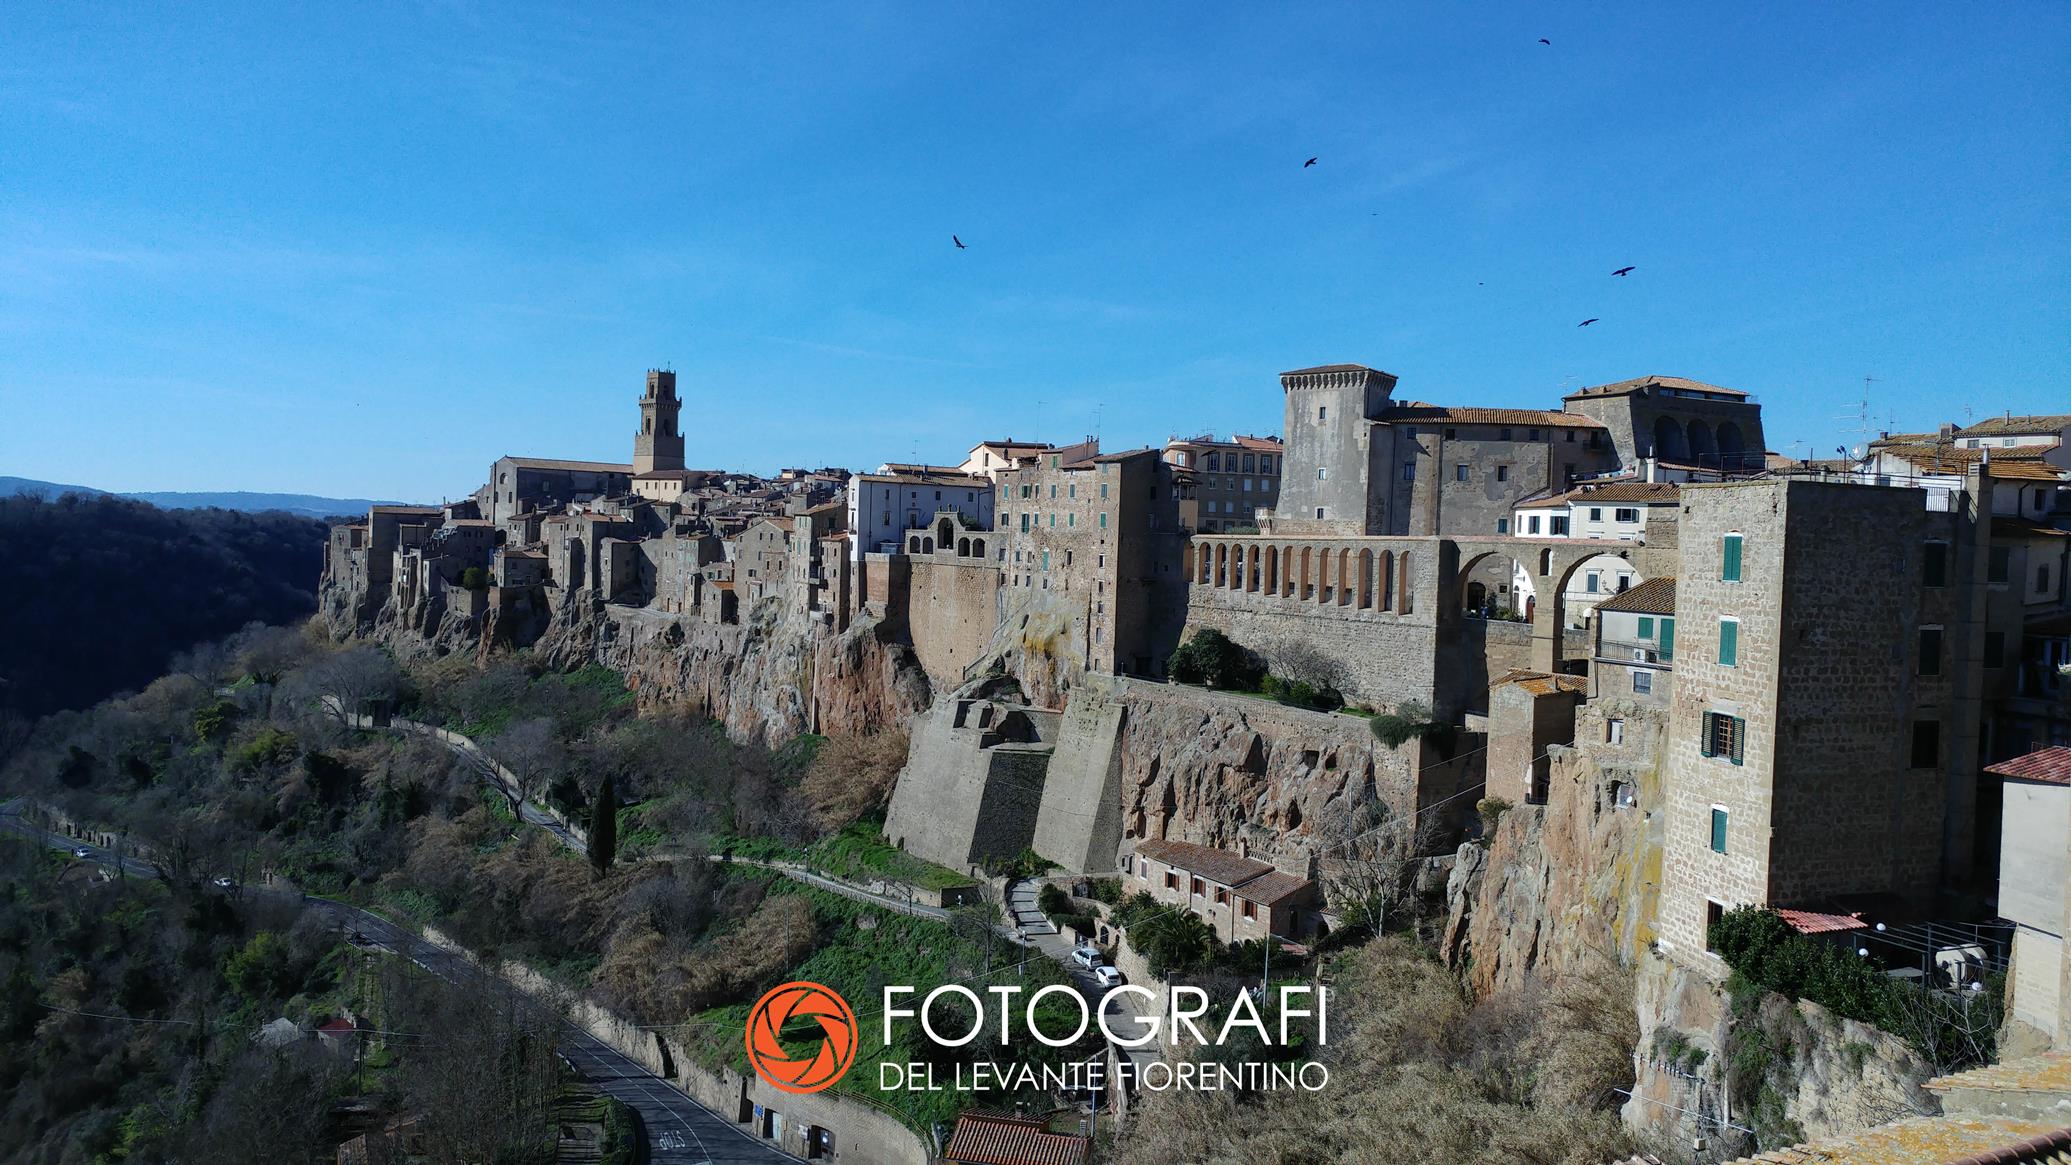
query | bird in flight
(1544,41)
(959,243)
(1309,163)
(1625,271)
(1587,322)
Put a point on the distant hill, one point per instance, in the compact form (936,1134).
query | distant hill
(103,591)
(308,505)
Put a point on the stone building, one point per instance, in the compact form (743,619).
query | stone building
(882,507)
(1820,751)
(2034,871)
(988,459)
(1529,714)
(658,446)
(1676,422)
(1233,479)
(1242,899)
(519,485)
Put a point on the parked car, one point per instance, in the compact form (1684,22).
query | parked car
(81,852)
(225,882)
(1108,977)
(1087,957)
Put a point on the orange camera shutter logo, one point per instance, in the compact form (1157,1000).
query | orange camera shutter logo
(801,1000)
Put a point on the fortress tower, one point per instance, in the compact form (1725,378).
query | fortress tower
(1327,482)
(659,444)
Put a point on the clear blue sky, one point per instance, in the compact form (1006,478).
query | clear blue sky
(366,251)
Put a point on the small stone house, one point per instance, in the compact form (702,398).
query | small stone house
(2034,857)
(1240,898)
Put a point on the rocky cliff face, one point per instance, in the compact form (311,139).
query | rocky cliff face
(767,678)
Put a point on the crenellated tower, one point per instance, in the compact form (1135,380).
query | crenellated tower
(659,443)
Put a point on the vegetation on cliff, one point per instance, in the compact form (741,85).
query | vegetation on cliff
(103,593)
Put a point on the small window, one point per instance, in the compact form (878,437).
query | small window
(1171,880)
(1718,829)
(1452,434)
(1642,681)
(1502,525)
(1222,896)
(1198,888)
(1729,642)
(1250,908)
(1505,436)
(1459,473)
(1999,568)
(1560,526)
(1930,651)
(1531,434)
(1322,412)
(1319,513)
(1409,471)
(1646,626)
(1614,731)
(1729,558)
(1627,515)
(1714,914)
(1533,522)
(1322,473)
(1596,514)
(1724,736)
(1927,744)
(1594,583)
(1934,565)
(1502,473)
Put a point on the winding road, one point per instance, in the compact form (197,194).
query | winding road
(679,1130)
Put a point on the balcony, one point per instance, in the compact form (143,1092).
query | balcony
(1614,651)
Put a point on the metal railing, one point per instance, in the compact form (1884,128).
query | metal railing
(1618,651)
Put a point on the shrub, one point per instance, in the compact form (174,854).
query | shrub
(474,578)
(1053,901)
(1411,721)
(1108,890)
(1302,694)
(1492,810)
(1216,660)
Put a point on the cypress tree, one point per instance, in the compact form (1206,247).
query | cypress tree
(604,828)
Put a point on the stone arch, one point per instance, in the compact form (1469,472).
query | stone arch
(1405,577)
(927,545)
(1477,595)
(1545,563)
(1304,588)
(913,544)
(1387,580)
(1272,579)
(963,548)
(1366,579)
(1345,577)
(1669,443)
(1701,444)
(1287,581)
(1251,567)
(978,547)
(1222,564)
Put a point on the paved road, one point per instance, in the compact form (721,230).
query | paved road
(1124,1012)
(679,1130)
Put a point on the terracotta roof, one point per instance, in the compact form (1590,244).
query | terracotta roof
(1263,444)
(1333,368)
(1951,458)
(676,474)
(2052,765)
(1648,493)
(1540,683)
(1931,1140)
(1207,861)
(1656,596)
(999,1139)
(2017,426)
(956,478)
(2049,1072)
(1127,454)
(2012,527)
(1620,388)
(1548,418)
(551,463)
(1271,888)
(469,522)
(2024,470)
(1815,922)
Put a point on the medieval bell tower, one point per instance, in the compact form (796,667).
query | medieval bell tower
(659,444)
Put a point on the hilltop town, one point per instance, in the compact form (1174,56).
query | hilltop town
(1593,675)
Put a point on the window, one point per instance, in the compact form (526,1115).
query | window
(1103,489)
(1642,681)
(1322,472)
(1409,471)
(1646,626)
(1531,434)
(1198,888)
(1614,731)
(1502,473)
(1718,829)
(2000,568)
(1250,908)
(1930,651)
(1560,525)
(1171,880)
(1502,525)
(1072,519)
(1459,473)
(1626,514)
(1595,581)
(1995,649)
(1729,642)
(2042,579)
(1319,513)
(1724,736)
(1222,896)
(1927,744)
(1046,560)
(1596,514)
(1505,436)
(1934,565)
(1533,522)
(1729,558)
(1714,914)
(1452,434)
(1103,519)
(1322,412)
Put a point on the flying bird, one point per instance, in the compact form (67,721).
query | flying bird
(1587,322)
(1544,41)
(959,243)
(1309,163)
(1625,271)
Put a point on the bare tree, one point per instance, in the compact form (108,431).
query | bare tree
(531,752)
(1301,661)
(347,684)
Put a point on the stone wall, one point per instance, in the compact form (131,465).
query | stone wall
(1079,825)
(952,613)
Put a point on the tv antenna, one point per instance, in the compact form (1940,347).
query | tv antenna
(1865,424)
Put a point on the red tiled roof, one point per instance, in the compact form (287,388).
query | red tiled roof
(1656,596)
(1207,861)
(1540,683)
(1814,922)
(2017,426)
(1266,444)
(1270,888)
(998,1139)
(2052,765)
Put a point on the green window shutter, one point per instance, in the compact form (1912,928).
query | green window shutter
(1729,559)
(1646,626)
(1668,638)
(1729,643)
(1705,738)
(1739,739)
(1718,831)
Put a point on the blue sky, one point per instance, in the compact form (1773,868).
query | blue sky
(367,251)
